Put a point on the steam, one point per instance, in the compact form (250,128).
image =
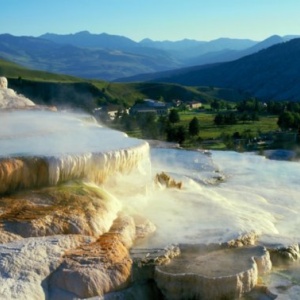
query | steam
(46,148)
(258,195)
(10,99)
(52,134)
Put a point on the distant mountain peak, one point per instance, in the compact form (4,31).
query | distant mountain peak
(274,37)
(146,40)
(84,32)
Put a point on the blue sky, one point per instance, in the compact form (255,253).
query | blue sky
(155,19)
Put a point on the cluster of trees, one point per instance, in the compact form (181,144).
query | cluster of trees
(232,118)
(289,120)
(250,106)
(168,127)
(225,119)
(249,110)
(219,104)
(239,140)
(289,116)
(152,126)
(270,107)
(181,133)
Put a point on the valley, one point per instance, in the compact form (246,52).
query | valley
(149,170)
(86,219)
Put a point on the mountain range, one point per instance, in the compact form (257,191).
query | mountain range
(65,91)
(272,73)
(108,57)
(267,69)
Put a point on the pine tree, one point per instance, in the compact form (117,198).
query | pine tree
(194,127)
(174,116)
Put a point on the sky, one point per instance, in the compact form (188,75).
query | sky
(155,19)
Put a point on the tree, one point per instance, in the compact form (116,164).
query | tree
(162,125)
(181,134)
(286,120)
(139,101)
(215,105)
(176,134)
(194,127)
(254,117)
(174,116)
(244,117)
(219,119)
(275,107)
(247,134)
(230,119)
(145,120)
(236,135)
(227,140)
(293,107)
(128,122)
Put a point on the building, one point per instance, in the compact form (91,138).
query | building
(194,104)
(109,112)
(150,106)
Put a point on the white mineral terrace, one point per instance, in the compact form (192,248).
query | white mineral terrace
(257,195)
(68,241)
(39,148)
(10,99)
(43,133)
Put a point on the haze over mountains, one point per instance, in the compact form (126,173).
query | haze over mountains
(267,69)
(272,73)
(108,57)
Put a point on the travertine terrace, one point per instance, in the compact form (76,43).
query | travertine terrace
(52,209)
(75,222)
(212,272)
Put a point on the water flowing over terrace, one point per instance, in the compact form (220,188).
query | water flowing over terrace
(77,196)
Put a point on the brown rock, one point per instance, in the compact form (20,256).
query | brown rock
(247,239)
(98,268)
(166,180)
(124,228)
(68,209)
(7,237)
(22,173)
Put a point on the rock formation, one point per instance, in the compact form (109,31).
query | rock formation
(3,83)
(97,268)
(25,264)
(39,153)
(164,179)
(212,272)
(10,99)
(64,236)
(76,208)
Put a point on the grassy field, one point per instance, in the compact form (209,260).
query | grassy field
(123,93)
(114,92)
(45,86)
(210,133)
(208,130)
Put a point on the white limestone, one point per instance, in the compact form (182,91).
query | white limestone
(26,263)
(212,272)
(10,99)
(48,148)
(3,83)
(258,196)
